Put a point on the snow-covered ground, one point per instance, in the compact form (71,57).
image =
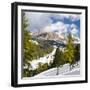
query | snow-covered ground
(65,70)
(46,59)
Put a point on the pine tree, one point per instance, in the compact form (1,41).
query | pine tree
(27,46)
(26,38)
(58,60)
(77,53)
(69,51)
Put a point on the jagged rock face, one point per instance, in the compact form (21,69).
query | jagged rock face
(55,36)
(50,36)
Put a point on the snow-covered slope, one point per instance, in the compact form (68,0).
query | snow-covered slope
(46,59)
(65,70)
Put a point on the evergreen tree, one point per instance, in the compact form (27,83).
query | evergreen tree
(26,38)
(58,60)
(77,53)
(69,51)
(27,45)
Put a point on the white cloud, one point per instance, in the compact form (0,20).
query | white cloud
(59,26)
(74,30)
(72,17)
(75,17)
(62,28)
(73,26)
(46,29)
(42,22)
(38,20)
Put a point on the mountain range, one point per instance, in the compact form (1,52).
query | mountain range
(56,36)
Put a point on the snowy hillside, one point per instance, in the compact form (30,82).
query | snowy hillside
(65,70)
(46,59)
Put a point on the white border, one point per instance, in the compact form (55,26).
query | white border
(82,38)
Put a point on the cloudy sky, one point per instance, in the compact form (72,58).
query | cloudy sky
(50,22)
